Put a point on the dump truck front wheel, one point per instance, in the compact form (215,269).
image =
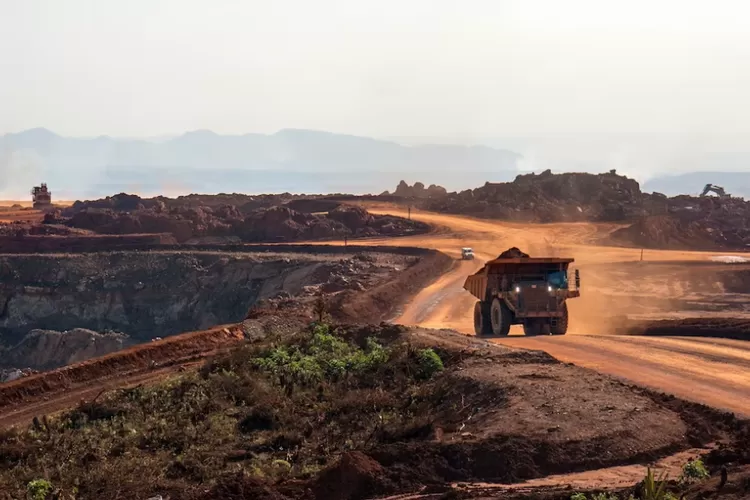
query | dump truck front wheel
(560,325)
(482,325)
(500,317)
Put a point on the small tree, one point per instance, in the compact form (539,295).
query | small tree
(320,308)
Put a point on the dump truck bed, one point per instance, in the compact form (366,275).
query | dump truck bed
(476,284)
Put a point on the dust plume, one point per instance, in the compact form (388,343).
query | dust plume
(20,170)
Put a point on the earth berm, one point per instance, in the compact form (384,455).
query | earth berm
(352,412)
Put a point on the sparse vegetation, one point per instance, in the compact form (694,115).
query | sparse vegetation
(651,488)
(280,410)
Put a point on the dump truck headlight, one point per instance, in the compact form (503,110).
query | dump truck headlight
(518,289)
(549,288)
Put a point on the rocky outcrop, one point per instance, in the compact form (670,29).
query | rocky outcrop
(46,349)
(127,214)
(156,294)
(285,224)
(548,197)
(403,190)
(680,222)
(681,231)
(144,295)
(352,217)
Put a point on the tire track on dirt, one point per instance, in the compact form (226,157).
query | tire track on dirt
(696,381)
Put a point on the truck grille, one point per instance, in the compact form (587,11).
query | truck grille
(537,300)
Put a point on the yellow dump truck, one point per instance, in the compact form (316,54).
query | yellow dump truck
(517,289)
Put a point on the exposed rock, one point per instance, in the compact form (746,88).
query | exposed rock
(44,349)
(403,190)
(220,222)
(155,294)
(354,218)
(658,222)
(141,294)
(547,197)
(11,374)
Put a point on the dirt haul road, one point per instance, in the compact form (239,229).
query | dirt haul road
(710,371)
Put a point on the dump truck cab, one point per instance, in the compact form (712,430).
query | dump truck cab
(529,291)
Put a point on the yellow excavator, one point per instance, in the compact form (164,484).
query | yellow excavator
(718,190)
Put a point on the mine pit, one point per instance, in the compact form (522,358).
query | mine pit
(58,309)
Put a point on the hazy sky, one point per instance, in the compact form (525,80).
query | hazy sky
(384,68)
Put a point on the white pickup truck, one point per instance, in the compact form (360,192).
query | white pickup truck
(467,254)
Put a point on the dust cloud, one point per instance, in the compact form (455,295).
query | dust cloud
(20,170)
(617,289)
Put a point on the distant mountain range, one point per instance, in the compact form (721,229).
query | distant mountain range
(203,161)
(293,160)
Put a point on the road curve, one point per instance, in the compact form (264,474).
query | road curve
(710,371)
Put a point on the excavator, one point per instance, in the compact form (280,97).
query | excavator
(715,189)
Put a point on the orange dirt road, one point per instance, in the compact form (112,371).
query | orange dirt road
(710,371)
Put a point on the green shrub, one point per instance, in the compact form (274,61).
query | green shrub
(369,359)
(325,356)
(38,489)
(655,489)
(429,363)
(694,470)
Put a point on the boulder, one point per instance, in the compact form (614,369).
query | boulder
(352,217)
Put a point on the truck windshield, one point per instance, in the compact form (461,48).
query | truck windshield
(558,279)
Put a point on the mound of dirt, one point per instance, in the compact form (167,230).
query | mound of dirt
(680,222)
(355,476)
(727,328)
(548,197)
(139,358)
(670,232)
(241,487)
(692,223)
(255,221)
(313,206)
(513,253)
(382,426)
